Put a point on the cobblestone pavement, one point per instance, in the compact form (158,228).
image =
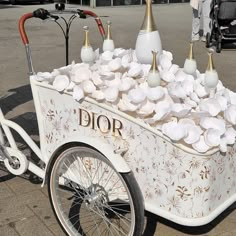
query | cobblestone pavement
(24,205)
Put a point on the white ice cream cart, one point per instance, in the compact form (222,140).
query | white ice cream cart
(104,166)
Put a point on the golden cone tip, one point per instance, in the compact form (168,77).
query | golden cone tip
(148,22)
(108,30)
(210,65)
(86,40)
(154,62)
(190,55)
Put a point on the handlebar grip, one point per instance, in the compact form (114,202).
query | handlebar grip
(44,14)
(90,13)
(22,27)
(41,13)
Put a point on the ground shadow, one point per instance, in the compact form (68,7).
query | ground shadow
(17,97)
(28,121)
(4,174)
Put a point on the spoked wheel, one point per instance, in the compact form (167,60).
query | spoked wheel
(218,47)
(89,197)
(208,40)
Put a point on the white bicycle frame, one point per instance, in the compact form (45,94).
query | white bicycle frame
(6,125)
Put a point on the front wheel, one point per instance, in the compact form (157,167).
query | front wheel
(89,197)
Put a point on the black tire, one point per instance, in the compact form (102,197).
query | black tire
(13,2)
(208,40)
(218,47)
(89,196)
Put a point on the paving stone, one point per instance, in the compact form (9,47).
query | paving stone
(7,230)
(222,227)
(5,191)
(12,211)
(232,217)
(44,211)
(30,200)
(56,229)
(167,231)
(226,234)
(32,227)
(20,185)
(45,190)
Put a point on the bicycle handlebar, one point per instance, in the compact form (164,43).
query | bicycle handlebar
(22,27)
(44,14)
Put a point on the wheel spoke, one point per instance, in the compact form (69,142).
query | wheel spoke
(120,216)
(90,198)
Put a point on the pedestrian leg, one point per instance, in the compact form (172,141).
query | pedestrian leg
(195,25)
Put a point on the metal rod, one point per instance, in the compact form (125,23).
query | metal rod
(25,136)
(7,131)
(36,170)
(29,59)
(67,49)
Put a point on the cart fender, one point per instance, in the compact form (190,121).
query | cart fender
(112,155)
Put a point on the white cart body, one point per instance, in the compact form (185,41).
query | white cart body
(176,182)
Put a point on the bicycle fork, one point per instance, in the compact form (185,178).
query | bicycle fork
(14,159)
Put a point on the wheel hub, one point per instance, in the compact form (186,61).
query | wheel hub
(97,196)
(16,162)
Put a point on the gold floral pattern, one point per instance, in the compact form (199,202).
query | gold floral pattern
(171,179)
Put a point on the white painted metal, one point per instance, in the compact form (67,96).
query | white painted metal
(37,171)
(7,131)
(21,160)
(23,134)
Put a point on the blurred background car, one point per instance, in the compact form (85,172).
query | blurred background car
(14,2)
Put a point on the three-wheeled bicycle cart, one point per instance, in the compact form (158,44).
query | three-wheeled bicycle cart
(104,167)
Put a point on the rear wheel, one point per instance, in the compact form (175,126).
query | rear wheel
(218,44)
(218,47)
(89,197)
(208,40)
(13,2)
